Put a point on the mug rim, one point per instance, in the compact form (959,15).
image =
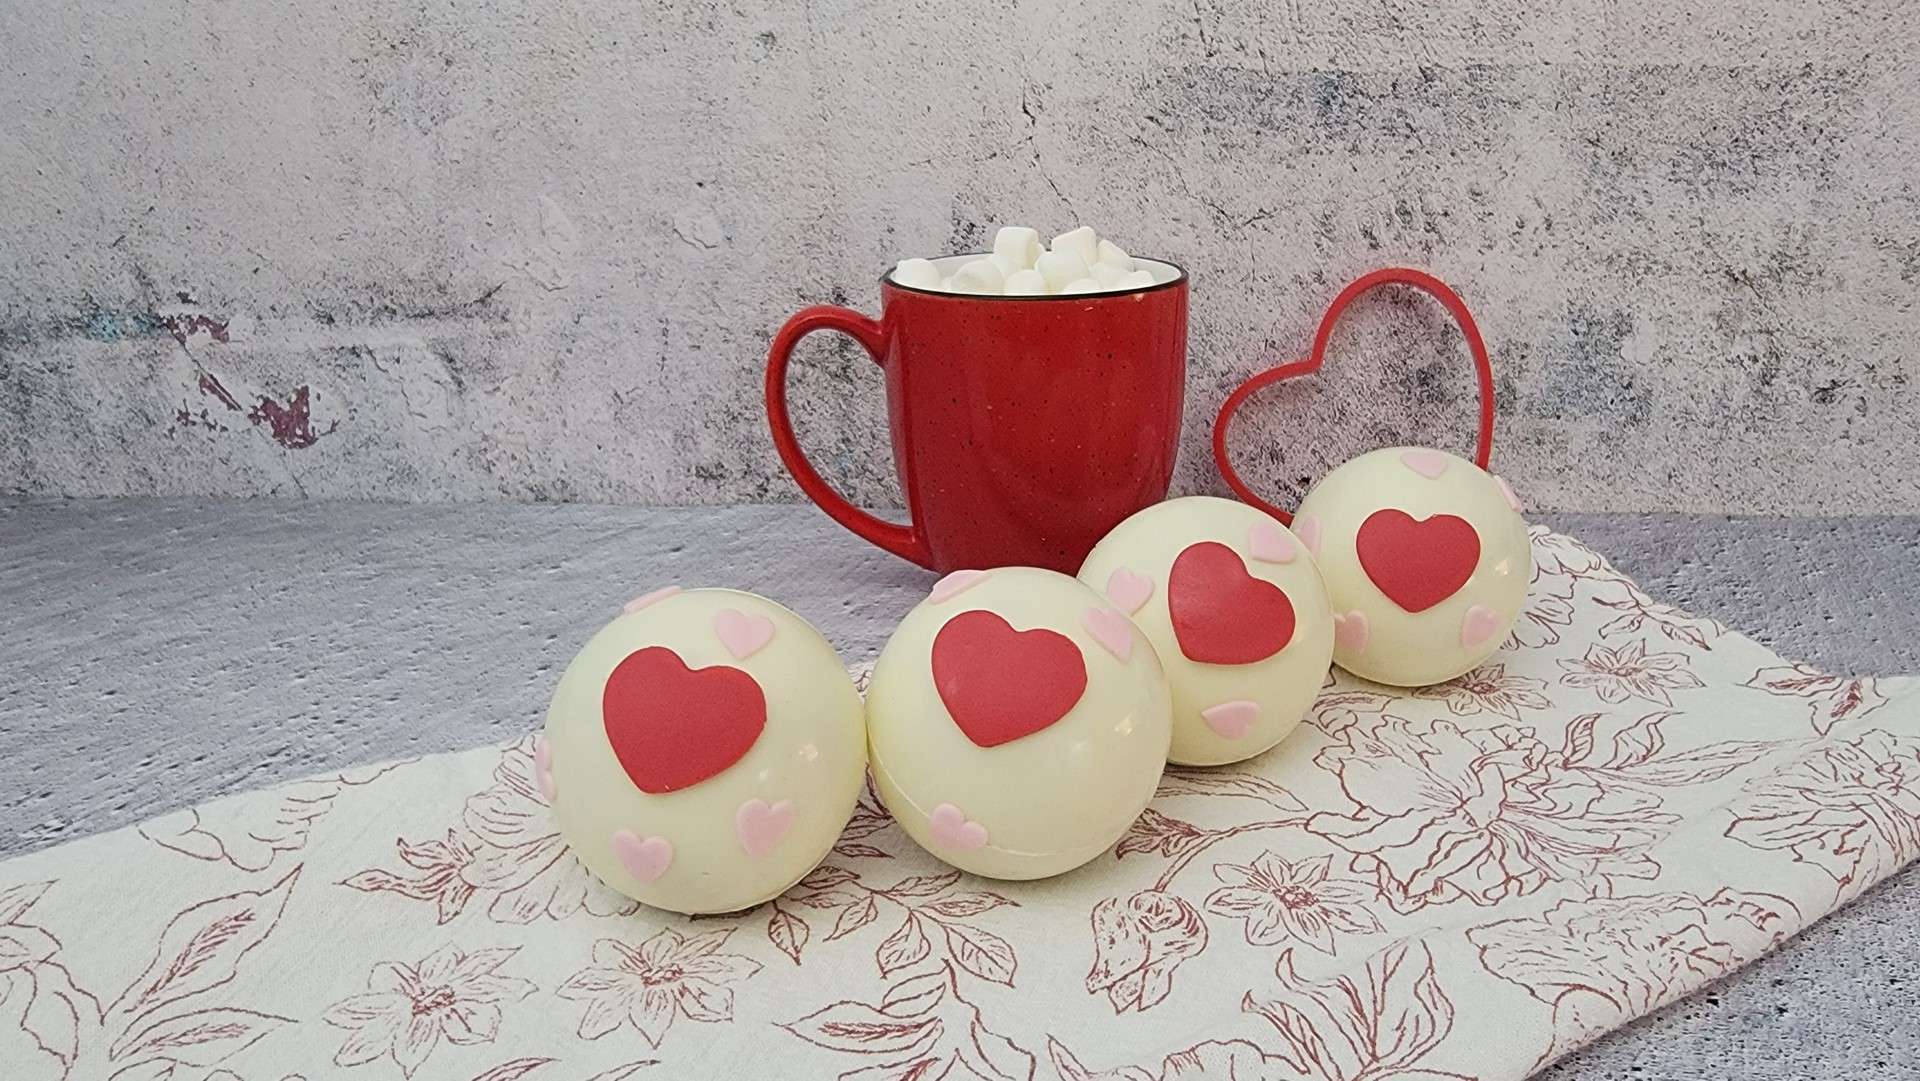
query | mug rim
(1179,278)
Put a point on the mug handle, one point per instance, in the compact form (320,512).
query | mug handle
(1424,282)
(902,540)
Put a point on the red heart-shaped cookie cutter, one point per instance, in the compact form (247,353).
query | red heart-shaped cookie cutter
(1417,279)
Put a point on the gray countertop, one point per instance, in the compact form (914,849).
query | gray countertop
(158,653)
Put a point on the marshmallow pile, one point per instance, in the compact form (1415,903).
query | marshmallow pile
(1076,262)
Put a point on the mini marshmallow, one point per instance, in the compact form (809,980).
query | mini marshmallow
(917,274)
(1026,283)
(1139,279)
(1108,275)
(1082,242)
(1061,267)
(1018,244)
(1007,264)
(1113,255)
(1083,285)
(979,276)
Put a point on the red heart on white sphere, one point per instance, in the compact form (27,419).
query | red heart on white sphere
(1417,563)
(1000,684)
(1221,614)
(672,726)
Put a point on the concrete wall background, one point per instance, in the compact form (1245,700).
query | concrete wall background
(493,249)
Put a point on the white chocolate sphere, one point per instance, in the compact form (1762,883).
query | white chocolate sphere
(703,751)
(1016,722)
(1426,560)
(1236,611)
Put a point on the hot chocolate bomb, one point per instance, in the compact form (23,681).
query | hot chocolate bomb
(1426,561)
(1237,613)
(703,751)
(1017,722)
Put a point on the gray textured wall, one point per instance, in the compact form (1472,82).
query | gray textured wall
(513,250)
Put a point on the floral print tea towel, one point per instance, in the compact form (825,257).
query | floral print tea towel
(1462,882)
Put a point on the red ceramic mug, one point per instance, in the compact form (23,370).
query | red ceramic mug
(1024,428)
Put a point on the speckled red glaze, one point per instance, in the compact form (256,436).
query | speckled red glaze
(1024,428)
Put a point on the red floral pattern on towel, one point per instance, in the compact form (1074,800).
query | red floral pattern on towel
(408,1009)
(1849,811)
(1443,812)
(650,984)
(506,849)
(1602,961)
(1830,699)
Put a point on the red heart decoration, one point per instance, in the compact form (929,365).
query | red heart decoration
(1221,614)
(1417,564)
(1000,684)
(672,726)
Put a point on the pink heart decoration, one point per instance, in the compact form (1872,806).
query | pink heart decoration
(946,588)
(645,599)
(1112,630)
(1231,720)
(760,827)
(1128,590)
(951,828)
(543,767)
(1428,463)
(1479,624)
(645,860)
(1307,528)
(1269,543)
(1350,631)
(742,634)
(1513,501)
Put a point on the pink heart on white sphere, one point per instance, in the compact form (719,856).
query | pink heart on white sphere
(1231,720)
(1350,631)
(953,583)
(1110,629)
(645,860)
(1269,543)
(1128,591)
(1307,528)
(951,828)
(1513,500)
(1428,463)
(1479,624)
(645,599)
(742,634)
(543,766)
(761,826)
